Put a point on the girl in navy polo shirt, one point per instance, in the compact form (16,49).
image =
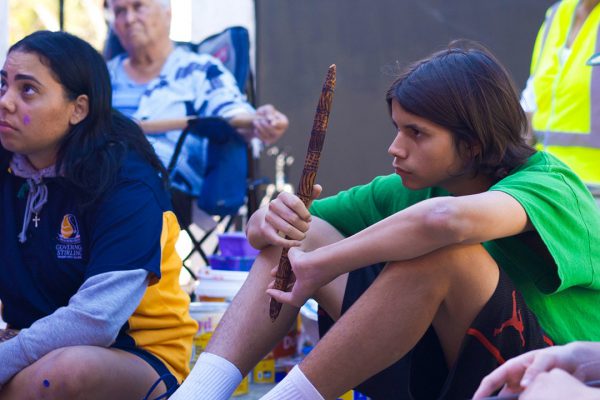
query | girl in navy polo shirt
(89,274)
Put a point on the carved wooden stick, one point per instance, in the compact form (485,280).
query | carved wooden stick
(307,180)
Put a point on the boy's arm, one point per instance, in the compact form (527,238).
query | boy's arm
(426,227)
(417,230)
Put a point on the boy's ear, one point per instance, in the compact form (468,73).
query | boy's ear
(470,150)
(80,110)
(476,149)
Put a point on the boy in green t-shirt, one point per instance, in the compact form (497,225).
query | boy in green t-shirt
(477,249)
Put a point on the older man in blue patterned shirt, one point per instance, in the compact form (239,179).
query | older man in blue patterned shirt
(154,80)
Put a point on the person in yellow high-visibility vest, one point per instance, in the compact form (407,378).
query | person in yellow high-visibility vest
(562,96)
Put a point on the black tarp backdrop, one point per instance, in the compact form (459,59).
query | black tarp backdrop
(298,39)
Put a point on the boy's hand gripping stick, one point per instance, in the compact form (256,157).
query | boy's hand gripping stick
(305,187)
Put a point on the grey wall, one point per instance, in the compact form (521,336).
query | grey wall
(367,39)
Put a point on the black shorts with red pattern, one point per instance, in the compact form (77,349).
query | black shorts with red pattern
(503,329)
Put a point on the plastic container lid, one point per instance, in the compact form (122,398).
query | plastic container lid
(219,284)
(231,263)
(208,307)
(235,244)
(221,275)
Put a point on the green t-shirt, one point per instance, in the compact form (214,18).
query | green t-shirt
(563,292)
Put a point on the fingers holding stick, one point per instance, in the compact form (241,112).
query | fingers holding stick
(307,180)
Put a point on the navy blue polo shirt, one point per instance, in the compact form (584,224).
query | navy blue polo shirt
(68,245)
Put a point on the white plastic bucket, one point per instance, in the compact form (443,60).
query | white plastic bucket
(218,284)
(207,315)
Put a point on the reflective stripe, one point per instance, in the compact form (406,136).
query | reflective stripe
(594,189)
(569,139)
(548,25)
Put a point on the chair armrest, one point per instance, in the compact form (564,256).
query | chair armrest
(215,129)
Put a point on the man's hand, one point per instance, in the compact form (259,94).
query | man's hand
(269,124)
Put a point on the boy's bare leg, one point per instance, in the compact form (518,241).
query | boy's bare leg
(446,288)
(246,333)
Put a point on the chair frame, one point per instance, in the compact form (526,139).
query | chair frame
(228,219)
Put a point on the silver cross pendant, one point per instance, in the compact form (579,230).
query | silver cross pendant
(36,219)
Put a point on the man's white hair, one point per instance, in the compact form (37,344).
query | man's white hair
(163,3)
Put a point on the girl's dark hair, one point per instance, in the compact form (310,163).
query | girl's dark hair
(467,91)
(93,150)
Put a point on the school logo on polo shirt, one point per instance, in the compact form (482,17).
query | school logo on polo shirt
(69,239)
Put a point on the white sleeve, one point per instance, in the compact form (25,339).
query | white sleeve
(218,95)
(93,317)
(528,101)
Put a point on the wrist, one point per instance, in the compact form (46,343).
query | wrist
(584,360)
(323,260)
(587,393)
(253,231)
(588,371)
(580,353)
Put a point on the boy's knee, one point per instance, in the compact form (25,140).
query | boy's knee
(321,233)
(456,265)
(468,266)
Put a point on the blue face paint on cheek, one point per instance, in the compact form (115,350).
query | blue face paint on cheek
(26,120)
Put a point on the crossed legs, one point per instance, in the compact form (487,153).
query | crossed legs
(446,289)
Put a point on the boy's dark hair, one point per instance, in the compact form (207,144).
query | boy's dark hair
(92,152)
(467,91)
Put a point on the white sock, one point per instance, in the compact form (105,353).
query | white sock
(213,378)
(295,386)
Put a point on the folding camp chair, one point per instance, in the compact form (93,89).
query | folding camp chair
(226,150)
(230,159)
